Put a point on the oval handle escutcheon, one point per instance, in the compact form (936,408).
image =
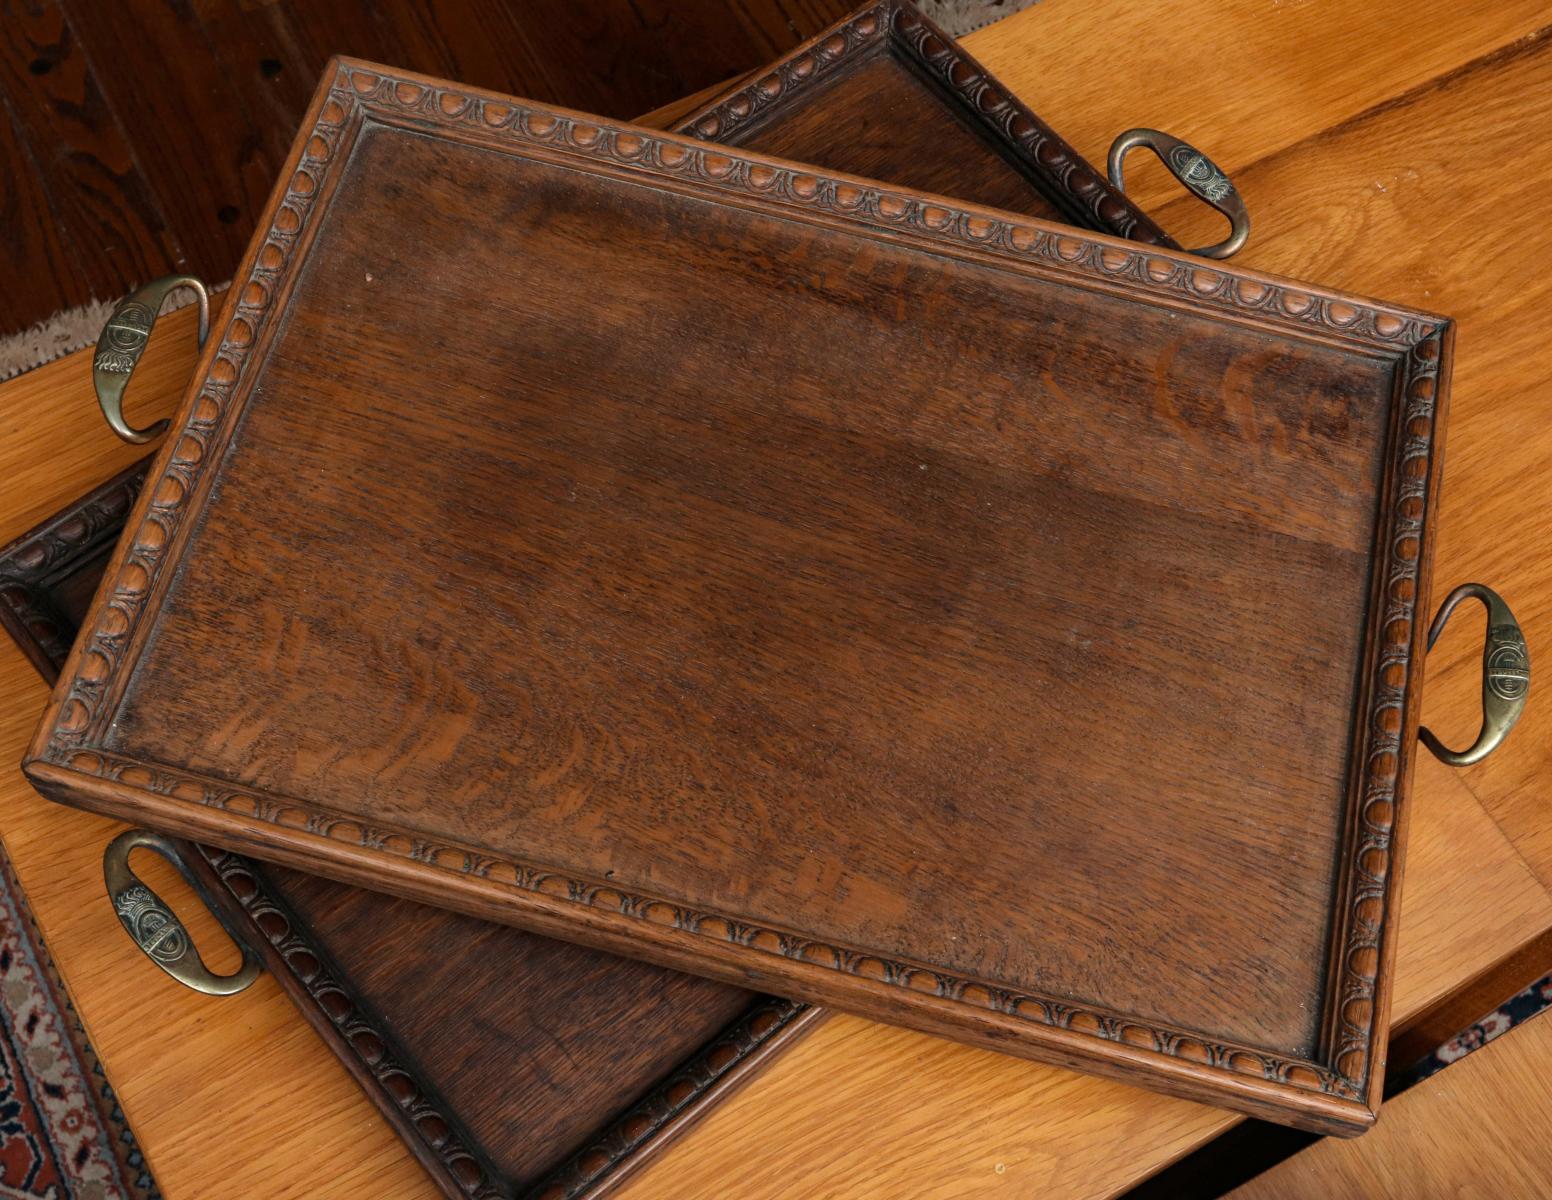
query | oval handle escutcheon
(154,927)
(1505,674)
(1199,174)
(123,340)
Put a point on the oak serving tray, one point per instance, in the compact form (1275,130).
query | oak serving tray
(568,1084)
(559,1087)
(969,622)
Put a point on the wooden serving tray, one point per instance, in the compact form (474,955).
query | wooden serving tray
(614,1058)
(888,95)
(897,604)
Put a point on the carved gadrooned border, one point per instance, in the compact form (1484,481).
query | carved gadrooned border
(668,1103)
(808,64)
(94,521)
(422,1112)
(1371,856)
(299,816)
(27,564)
(363,91)
(1068,180)
(426,1114)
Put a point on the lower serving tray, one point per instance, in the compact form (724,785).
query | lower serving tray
(612,1057)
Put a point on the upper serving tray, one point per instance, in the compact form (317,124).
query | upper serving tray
(970,622)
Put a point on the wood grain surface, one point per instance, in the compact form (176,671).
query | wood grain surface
(512,1065)
(868,1110)
(867,94)
(1478,1129)
(1243,80)
(1027,668)
(110,228)
(482,1078)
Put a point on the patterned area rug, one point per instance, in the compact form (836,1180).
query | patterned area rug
(1519,1008)
(62,1136)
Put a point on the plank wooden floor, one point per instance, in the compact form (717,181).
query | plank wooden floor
(140,137)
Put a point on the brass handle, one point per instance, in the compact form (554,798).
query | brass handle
(152,925)
(1200,175)
(123,340)
(1505,674)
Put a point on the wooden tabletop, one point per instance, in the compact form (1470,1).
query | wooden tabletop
(1392,149)
(1478,1130)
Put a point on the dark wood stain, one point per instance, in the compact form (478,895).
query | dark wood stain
(851,132)
(907,607)
(460,1017)
(510,1063)
(566,1037)
(832,101)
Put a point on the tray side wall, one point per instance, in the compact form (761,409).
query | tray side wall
(66,765)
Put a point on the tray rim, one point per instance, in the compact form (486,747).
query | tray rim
(1336,1091)
(431,1128)
(369,1048)
(967,90)
(27,564)
(325,995)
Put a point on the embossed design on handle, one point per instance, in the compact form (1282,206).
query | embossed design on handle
(123,340)
(1199,173)
(1505,674)
(1201,176)
(152,924)
(156,929)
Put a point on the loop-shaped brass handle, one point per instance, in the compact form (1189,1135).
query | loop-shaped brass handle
(152,925)
(1200,175)
(1505,674)
(123,340)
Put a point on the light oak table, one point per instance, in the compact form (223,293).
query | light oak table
(1386,148)
(1479,1130)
